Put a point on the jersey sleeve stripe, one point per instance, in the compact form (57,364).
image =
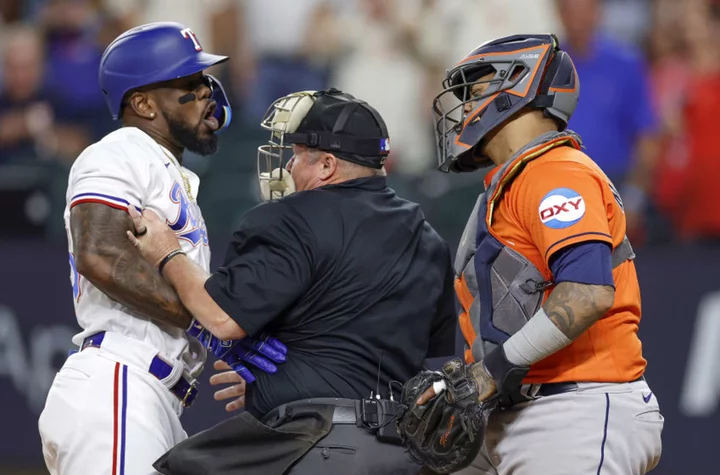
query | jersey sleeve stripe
(597,236)
(104,202)
(112,201)
(100,195)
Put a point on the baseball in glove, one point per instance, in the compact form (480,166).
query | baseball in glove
(444,434)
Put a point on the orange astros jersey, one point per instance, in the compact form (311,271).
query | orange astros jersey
(563,198)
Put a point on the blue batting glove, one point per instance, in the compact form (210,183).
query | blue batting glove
(261,352)
(237,365)
(266,345)
(220,348)
(223,350)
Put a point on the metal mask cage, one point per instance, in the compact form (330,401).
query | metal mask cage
(275,154)
(269,158)
(449,105)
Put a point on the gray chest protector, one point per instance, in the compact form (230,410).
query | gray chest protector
(499,289)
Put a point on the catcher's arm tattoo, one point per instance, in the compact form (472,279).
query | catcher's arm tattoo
(574,307)
(105,257)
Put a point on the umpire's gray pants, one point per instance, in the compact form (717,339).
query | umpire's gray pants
(602,428)
(351,450)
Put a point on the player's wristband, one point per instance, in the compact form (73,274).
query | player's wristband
(537,340)
(167,259)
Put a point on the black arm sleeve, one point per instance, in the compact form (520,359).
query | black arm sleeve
(268,265)
(442,339)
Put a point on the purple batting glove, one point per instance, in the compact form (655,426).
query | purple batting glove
(220,348)
(261,352)
(266,346)
(239,368)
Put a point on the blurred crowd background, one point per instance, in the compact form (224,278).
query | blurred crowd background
(649,70)
(648,114)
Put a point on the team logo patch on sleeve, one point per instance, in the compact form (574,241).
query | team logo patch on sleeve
(561,208)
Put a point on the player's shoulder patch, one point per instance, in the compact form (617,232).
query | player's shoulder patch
(561,208)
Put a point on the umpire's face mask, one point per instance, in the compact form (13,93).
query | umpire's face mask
(283,117)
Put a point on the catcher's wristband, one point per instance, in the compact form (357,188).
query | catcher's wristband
(536,340)
(167,259)
(508,377)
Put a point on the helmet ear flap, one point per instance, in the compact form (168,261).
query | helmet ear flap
(560,89)
(560,73)
(223,111)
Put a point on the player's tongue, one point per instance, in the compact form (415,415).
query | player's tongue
(210,121)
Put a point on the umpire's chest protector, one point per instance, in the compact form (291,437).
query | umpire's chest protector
(499,289)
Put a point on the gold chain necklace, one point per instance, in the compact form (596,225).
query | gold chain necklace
(186,180)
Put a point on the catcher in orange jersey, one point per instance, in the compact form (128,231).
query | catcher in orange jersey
(545,276)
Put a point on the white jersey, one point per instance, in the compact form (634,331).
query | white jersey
(128,168)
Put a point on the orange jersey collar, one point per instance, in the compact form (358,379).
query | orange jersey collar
(511,169)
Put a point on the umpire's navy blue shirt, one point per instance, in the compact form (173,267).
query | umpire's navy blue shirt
(339,274)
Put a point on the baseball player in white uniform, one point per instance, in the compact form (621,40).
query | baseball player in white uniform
(114,407)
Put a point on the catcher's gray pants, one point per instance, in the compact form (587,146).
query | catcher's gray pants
(351,450)
(602,428)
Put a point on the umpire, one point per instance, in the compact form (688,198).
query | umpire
(348,275)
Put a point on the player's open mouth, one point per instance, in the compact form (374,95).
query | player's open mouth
(210,121)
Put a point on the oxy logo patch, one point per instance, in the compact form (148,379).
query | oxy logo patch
(561,208)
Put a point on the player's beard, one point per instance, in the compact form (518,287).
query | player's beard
(189,137)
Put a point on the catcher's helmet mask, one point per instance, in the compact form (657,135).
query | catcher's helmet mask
(528,71)
(328,120)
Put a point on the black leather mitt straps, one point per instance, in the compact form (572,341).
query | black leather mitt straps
(446,433)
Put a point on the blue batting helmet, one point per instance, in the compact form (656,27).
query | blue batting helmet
(154,53)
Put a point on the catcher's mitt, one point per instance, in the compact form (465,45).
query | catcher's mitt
(446,433)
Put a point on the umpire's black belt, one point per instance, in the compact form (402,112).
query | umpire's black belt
(346,411)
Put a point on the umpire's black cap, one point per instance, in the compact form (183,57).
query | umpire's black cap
(347,127)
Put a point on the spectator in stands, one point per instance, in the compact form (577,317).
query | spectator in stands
(192,13)
(72,30)
(379,52)
(615,116)
(267,41)
(628,21)
(670,79)
(10,11)
(28,129)
(25,115)
(697,215)
(481,21)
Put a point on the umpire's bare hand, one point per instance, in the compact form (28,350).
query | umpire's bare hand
(152,237)
(237,390)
